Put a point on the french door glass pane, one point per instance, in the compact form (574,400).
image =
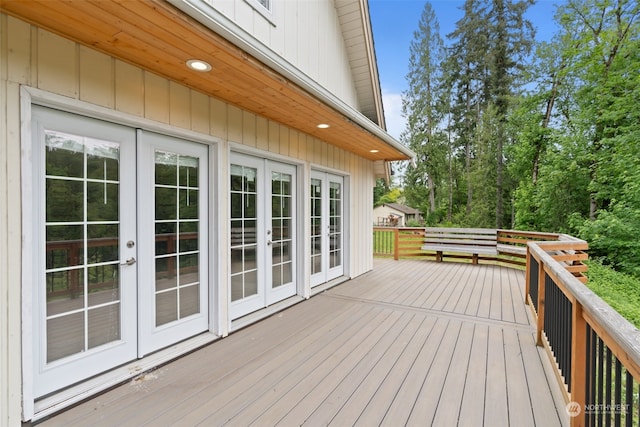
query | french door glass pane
(177,238)
(244,267)
(82,212)
(335,224)
(281,222)
(316,225)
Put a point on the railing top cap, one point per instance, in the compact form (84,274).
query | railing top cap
(626,335)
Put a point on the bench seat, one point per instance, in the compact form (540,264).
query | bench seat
(474,241)
(469,249)
(511,249)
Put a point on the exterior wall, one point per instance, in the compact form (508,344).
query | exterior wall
(384,211)
(36,58)
(306,33)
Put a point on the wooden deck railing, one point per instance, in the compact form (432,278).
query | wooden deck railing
(595,351)
(406,242)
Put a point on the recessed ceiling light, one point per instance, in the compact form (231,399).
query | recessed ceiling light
(374,151)
(322,126)
(198,65)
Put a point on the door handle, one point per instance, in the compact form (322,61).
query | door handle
(129,261)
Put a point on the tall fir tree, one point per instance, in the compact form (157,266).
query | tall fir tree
(423,105)
(490,47)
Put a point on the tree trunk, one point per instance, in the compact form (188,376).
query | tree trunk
(499,183)
(432,194)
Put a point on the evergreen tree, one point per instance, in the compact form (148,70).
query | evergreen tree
(423,105)
(467,76)
(490,46)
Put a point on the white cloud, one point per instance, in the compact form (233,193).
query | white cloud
(393,113)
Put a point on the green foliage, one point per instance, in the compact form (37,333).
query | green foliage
(379,190)
(578,133)
(457,109)
(614,236)
(621,291)
(562,157)
(392,196)
(414,223)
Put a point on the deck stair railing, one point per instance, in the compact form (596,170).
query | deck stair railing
(595,351)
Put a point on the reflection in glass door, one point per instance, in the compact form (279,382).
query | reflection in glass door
(327,227)
(262,233)
(335,225)
(85,303)
(244,240)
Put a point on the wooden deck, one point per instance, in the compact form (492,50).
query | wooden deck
(411,343)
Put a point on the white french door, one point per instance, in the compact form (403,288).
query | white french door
(327,227)
(120,245)
(173,188)
(262,232)
(85,296)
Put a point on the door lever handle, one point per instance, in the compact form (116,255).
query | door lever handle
(129,261)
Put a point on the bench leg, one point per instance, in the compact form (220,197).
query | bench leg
(438,256)
(474,260)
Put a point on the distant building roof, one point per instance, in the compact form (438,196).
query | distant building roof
(402,208)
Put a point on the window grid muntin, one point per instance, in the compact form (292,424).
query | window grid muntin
(180,283)
(244,189)
(89,150)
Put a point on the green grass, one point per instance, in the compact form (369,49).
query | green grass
(621,291)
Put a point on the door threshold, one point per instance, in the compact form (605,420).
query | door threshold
(58,401)
(256,316)
(327,285)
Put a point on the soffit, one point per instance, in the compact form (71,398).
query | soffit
(356,32)
(159,38)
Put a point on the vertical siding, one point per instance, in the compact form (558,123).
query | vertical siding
(200,114)
(156,98)
(97,79)
(305,33)
(179,106)
(37,58)
(129,89)
(15,60)
(57,66)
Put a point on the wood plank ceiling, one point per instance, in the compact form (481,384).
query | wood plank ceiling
(159,38)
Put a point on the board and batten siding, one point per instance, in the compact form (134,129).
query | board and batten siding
(307,34)
(36,58)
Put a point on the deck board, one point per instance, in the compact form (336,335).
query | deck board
(412,343)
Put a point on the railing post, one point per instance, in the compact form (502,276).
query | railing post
(396,243)
(527,276)
(578,364)
(541,292)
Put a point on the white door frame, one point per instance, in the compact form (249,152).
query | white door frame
(49,377)
(265,296)
(31,97)
(327,273)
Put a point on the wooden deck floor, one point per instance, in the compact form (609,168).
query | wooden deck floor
(411,343)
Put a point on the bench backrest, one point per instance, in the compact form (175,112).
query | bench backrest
(461,236)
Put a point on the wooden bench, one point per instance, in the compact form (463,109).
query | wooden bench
(474,241)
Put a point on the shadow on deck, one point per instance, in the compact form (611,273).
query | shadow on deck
(410,343)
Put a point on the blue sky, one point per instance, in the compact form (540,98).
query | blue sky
(394,22)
